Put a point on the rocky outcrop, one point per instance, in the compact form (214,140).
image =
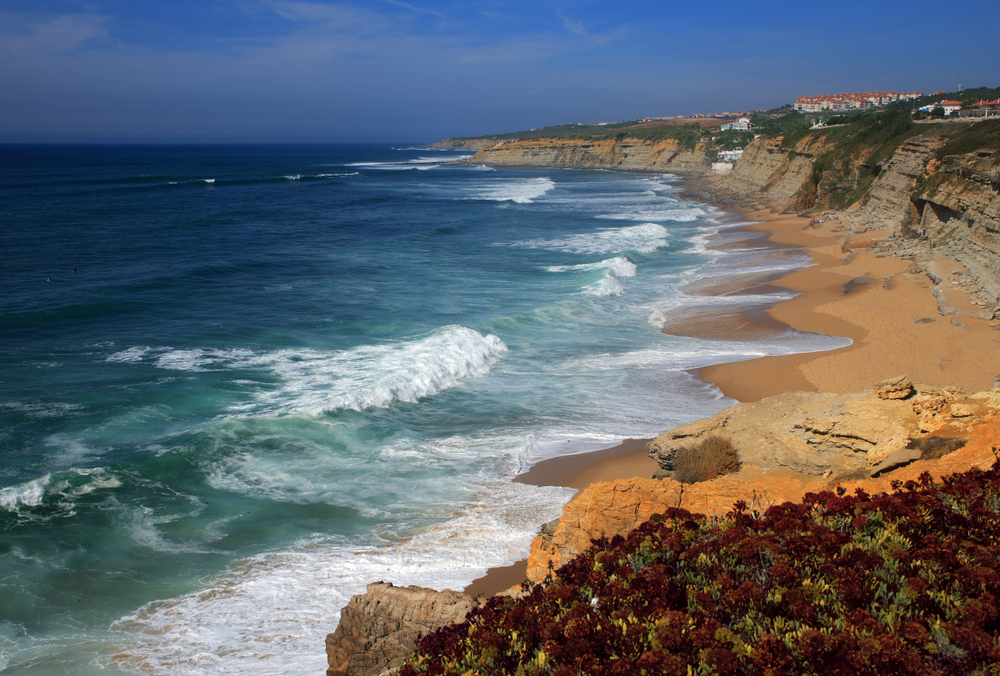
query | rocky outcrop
(616,507)
(380,628)
(833,434)
(767,169)
(619,154)
(886,205)
(958,209)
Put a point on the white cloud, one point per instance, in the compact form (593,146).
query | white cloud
(58,34)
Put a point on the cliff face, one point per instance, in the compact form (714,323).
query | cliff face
(622,155)
(951,204)
(380,628)
(887,205)
(769,170)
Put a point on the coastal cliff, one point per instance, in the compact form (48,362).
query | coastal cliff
(766,168)
(934,196)
(950,202)
(625,154)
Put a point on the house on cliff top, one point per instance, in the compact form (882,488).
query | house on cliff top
(742,124)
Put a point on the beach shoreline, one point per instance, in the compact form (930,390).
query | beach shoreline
(845,291)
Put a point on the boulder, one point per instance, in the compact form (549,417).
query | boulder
(899,387)
(380,628)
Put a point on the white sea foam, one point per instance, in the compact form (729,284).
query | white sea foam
(619,266)
(292,177)
(38,409)
(132,354)
(29,494)
(609,284)
(418,163)
(66,485)
(143,527)
(369,376)
(678,214)
(688,353)
(69,450)
(519,190)
(209,180)
(373,376)
(278,607)
(195,359)
(644,238)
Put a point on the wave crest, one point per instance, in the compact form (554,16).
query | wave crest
(314,382)
(644,238)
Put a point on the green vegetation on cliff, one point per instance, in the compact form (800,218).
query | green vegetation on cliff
(905,583)
(687,134)
(858,146)
(983,137)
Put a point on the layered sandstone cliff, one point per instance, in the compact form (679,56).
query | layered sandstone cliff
(622,155)
(767,169)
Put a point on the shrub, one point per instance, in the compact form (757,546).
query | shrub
(901,583)
(713,457)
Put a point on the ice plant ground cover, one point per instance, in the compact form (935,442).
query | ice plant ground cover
(899,583)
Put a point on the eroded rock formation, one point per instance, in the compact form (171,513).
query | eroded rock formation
(379,628)
(836,434)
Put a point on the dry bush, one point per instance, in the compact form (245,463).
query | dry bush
(713,457)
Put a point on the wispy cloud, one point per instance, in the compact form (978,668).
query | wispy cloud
(340,16)
(579,28)
(410,7)
(574,26)
(57,34)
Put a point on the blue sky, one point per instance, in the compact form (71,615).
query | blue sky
(423,70)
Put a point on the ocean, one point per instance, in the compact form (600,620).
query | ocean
(238,383)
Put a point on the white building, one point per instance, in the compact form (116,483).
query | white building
(949,107)
(742,124)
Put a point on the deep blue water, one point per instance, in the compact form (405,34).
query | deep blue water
(239,383)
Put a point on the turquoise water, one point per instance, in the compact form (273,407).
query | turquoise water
(239,383)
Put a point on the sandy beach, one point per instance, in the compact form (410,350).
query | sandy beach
(889,313)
